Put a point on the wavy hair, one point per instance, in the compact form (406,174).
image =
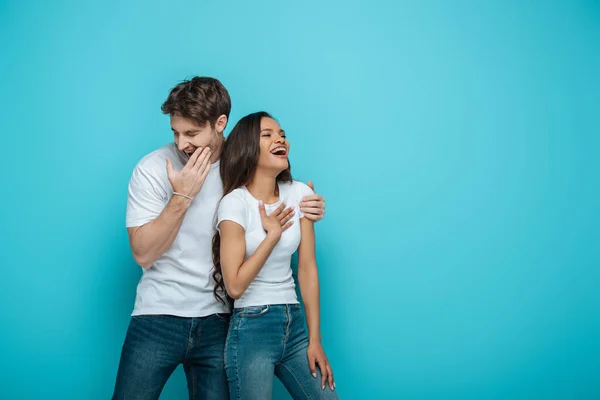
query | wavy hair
(239,160)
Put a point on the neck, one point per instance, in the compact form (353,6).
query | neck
(263,187)
(218,149)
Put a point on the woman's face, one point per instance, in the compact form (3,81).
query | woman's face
(274,147)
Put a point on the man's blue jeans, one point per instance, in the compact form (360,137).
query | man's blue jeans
(156,344)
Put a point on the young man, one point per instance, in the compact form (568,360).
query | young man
(173,197)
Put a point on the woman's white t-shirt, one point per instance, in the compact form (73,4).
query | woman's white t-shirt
(274,283)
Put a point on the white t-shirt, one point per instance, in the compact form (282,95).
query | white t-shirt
(180,282)
(274,283)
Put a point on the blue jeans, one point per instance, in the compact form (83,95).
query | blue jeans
(156,344)
(270,340)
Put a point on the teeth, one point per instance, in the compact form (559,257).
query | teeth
(278,149)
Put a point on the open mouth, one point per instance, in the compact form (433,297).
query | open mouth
(279,151)
(189,152)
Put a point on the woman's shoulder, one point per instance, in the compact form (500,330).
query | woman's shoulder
(236,196)
(301,188)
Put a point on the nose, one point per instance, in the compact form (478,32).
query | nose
(280,139)
(181,143)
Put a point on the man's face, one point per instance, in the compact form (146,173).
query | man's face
(189,136)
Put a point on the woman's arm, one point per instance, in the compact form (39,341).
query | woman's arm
(237,273)
(308,278)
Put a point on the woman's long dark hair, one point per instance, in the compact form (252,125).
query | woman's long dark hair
(239,160)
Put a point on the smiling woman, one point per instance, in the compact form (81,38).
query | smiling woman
(456,141)
(252,253)
(274,147)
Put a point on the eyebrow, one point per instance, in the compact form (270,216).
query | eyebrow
(271,130)
(187,132)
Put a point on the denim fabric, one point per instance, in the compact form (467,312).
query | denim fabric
(264,341)
(156,344)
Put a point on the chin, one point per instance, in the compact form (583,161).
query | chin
(283,167)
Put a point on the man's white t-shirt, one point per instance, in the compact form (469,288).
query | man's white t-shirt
(180,282)
(274,283)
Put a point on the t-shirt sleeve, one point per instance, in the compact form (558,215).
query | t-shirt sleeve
(146,198)
(303,190)
(232,208)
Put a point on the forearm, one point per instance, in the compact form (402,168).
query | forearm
(238,283)
(150,241)
(308,278)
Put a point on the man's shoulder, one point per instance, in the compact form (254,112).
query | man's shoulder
(156,160)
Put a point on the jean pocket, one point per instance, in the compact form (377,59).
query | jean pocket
(254,311)
(223,316)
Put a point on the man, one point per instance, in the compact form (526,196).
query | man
(173,196)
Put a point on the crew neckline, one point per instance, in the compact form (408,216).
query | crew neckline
(266,204)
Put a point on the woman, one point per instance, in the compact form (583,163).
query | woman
(252,251)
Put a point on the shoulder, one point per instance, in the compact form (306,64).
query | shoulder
(233,207)
(236,198)
(301,189)
(155,162)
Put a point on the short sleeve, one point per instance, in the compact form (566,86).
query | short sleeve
(146,198)
(302,190)
(232,208)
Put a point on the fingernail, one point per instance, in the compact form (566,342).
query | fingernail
(260,202)
(323,388)
(314,374)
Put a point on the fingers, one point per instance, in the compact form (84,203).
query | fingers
(288,214)
(313,197)
(284,227)
(203,158)
(194,157)
(330,380)
(284,215)
(313,204)
(276,212)
(312,366)
(313,210)
(310,185)
(170,170)
(261,209)
(324,374)
(205,172)
(202,167)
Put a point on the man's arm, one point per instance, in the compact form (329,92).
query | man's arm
(313,206)
(151,240)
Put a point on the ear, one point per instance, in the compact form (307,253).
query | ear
(221,123)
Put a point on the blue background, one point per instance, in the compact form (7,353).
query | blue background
(456,144)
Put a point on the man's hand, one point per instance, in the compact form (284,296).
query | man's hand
(190,179)
(313,206)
